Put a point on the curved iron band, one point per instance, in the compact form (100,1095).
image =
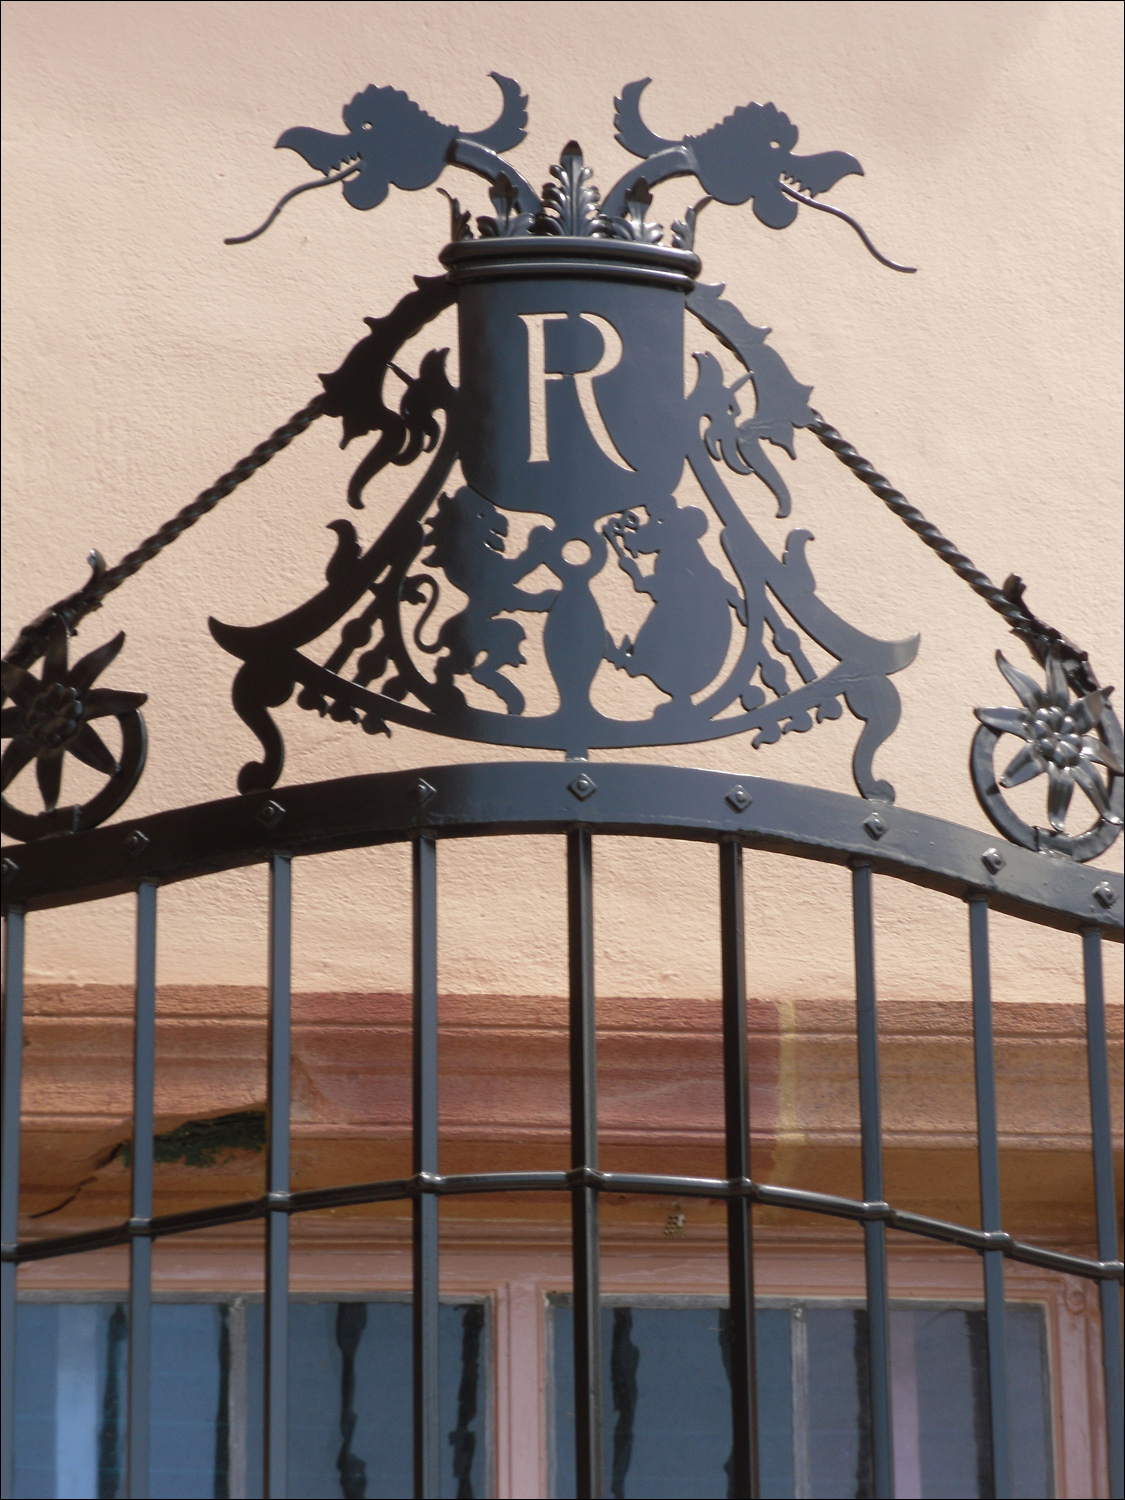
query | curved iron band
(402,1189)
(535,797)
(519,266)
(565,255)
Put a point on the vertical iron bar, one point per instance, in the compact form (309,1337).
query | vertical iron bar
(276,1394)
(871,1144)
(1104,1195)
(988,1159)
(427,1413)
(589,1465)
(140,1241)
(11,1070)
(740,1247)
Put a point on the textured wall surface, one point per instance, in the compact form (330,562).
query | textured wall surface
(143,356)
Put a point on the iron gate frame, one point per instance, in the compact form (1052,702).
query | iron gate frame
(1034,874)
(422,808)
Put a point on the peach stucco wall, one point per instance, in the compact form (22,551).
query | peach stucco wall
(143,357)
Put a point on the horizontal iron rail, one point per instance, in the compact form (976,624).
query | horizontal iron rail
(403,1189)
(538,797)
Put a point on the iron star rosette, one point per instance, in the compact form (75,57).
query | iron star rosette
(1075,742)
(51,717)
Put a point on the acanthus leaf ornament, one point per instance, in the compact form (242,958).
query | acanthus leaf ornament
(1074,741)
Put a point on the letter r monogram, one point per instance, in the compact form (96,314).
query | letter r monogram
(538,375)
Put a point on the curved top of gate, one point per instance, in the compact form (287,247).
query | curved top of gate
(570,456)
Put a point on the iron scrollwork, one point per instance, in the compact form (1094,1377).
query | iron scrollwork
(571,420)
(52,716)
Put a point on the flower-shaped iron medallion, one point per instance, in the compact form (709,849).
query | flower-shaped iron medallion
(49,718)
(1074,742)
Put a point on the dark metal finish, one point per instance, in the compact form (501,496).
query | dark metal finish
(140,1243)
(571,407)
(747,158)
(736,1111)
(529,797)
(871,1150)
(402,1189)
(988,1159)
(391,140)
(1075,743)
(276,1393)
(427,1413)
(588,1424)
(11,1073)
(544,323)
(1105,1206)
(52,717)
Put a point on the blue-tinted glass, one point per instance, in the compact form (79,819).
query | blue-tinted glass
(364,1446)
(667,1401)
(70,1400)
(188,1441)
(950,1372)
(1029,1401)
(350,1400)
(839,1453)
(37,1347)
(940,1402)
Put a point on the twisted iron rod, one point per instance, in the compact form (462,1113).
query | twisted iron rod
(1040,637)
(32,639)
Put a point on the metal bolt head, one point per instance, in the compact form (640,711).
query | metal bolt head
(739,798)
(875,825)
(582,786)
(1105,895)
(137,842)
(271,814)
(993,861)
(424,792)
(11,870)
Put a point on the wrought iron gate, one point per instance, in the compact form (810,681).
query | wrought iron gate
(555,294)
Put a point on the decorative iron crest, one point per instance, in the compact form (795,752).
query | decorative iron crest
(574,440)
(571,426)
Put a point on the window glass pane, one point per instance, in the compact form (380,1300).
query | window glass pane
(350,1400)
(363,1446)
(667,1401)
(189,1435)
(1029,1401)
(839,1431)
(942,1437)
(70,1400)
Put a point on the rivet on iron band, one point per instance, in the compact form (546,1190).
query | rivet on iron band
(271,814)
(424,792)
